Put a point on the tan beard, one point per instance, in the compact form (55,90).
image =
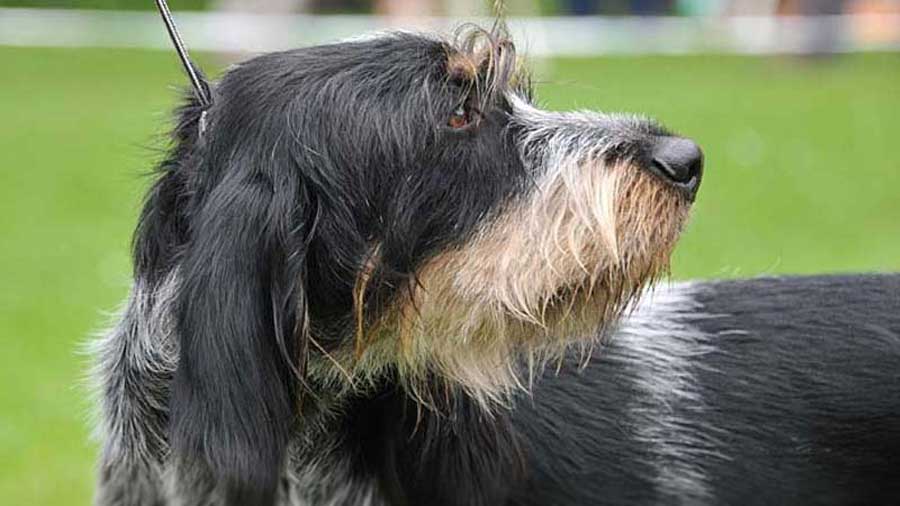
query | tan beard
(549,271)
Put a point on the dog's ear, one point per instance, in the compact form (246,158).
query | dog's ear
(242,326)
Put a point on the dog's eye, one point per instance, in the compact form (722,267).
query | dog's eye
(460,117)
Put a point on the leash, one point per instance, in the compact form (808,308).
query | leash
(201,89)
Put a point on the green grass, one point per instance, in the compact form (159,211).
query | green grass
(802,177)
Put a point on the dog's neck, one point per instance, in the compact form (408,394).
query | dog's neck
(382,444)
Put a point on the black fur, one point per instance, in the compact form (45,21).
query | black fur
(460,456)
(797,384)
(310,157)
(321,163)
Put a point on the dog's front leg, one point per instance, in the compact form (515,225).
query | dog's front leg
(135,362)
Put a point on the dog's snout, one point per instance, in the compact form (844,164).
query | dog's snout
(678,161)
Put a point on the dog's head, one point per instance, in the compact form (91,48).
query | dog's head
(399,207)
(402,203)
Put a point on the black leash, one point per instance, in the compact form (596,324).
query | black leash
(201,90)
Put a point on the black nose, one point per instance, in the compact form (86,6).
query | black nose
(679,161)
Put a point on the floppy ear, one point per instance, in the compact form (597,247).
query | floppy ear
(241,321)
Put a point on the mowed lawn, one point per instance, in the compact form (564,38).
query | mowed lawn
(802,176)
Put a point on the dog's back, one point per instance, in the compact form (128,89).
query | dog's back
(768,391)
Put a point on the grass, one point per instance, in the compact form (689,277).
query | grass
(801,178)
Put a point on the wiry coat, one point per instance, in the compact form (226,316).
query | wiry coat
(341,296)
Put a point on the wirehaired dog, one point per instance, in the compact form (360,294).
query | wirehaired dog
(348,282)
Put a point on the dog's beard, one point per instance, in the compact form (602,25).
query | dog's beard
(551,270)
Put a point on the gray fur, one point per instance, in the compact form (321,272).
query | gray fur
(662,350)
(135,361)
(317,475)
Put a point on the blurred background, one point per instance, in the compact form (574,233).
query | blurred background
(796,103)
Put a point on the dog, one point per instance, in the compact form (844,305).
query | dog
(376,273)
